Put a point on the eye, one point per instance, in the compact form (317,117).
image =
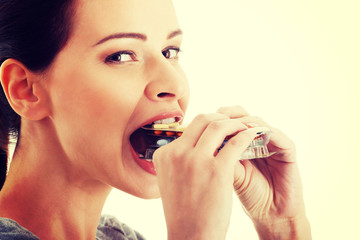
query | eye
(171,52)
(121,57)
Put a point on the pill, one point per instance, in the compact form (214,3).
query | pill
(170,133)
(160,126)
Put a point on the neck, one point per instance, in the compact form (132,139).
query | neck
(48,198)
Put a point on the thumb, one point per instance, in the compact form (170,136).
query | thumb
(239,176)
(242,174)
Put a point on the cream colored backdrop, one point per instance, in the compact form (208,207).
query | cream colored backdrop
(297,65)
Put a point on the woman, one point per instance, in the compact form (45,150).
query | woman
(79,78)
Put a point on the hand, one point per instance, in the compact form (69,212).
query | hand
(270,189)
(196,181)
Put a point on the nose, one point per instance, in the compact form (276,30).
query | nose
(167,82)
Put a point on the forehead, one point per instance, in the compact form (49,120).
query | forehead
(96,18)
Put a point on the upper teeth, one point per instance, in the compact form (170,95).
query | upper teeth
(165,121)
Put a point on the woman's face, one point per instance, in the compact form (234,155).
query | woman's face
(118,72)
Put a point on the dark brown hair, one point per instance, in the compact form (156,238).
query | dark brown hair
(32,32)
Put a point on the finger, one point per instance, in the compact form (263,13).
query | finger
(234,148)
(215,133)
(279,142)
(242,174)
(233,112)
(194,130)
(253,121)
(239,175)
(282,145)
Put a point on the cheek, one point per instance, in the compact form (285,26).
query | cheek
(184,100)
(91,113)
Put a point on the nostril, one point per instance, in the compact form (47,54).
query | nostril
(165,94)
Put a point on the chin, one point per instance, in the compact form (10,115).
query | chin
(138,183)
(149,195)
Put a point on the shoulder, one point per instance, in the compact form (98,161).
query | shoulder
(9,229)
(110,228)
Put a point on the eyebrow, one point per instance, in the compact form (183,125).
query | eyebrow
(175,33)
(138,36)
(122,35)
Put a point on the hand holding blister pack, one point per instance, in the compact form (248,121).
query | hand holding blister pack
(158,135)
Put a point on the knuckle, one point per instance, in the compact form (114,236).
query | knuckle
(222,110)
(201,117)
(257,119)
(235,142)
(239,108)
(276,130)
(239,141)
(225,110)
(228,109)
(204,118)
(175,154)
(207,118)
(216,125)
(292,144)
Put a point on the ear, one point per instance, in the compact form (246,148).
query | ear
(24,90)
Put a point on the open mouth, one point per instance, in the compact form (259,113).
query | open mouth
(147,139)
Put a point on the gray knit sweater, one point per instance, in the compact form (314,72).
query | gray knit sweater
(109,228)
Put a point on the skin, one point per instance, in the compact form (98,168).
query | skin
(269,189)
(83,109)
(78,115)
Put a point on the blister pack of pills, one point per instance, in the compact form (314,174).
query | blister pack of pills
(158,135)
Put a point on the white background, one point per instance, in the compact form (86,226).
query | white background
(295,64)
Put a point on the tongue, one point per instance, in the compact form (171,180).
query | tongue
(138,142)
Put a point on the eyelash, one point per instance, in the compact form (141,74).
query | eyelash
(176,49)
(117,57)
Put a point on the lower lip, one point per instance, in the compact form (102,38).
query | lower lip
(145,165)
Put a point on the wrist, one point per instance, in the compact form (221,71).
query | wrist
(201,231)
(296,228)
